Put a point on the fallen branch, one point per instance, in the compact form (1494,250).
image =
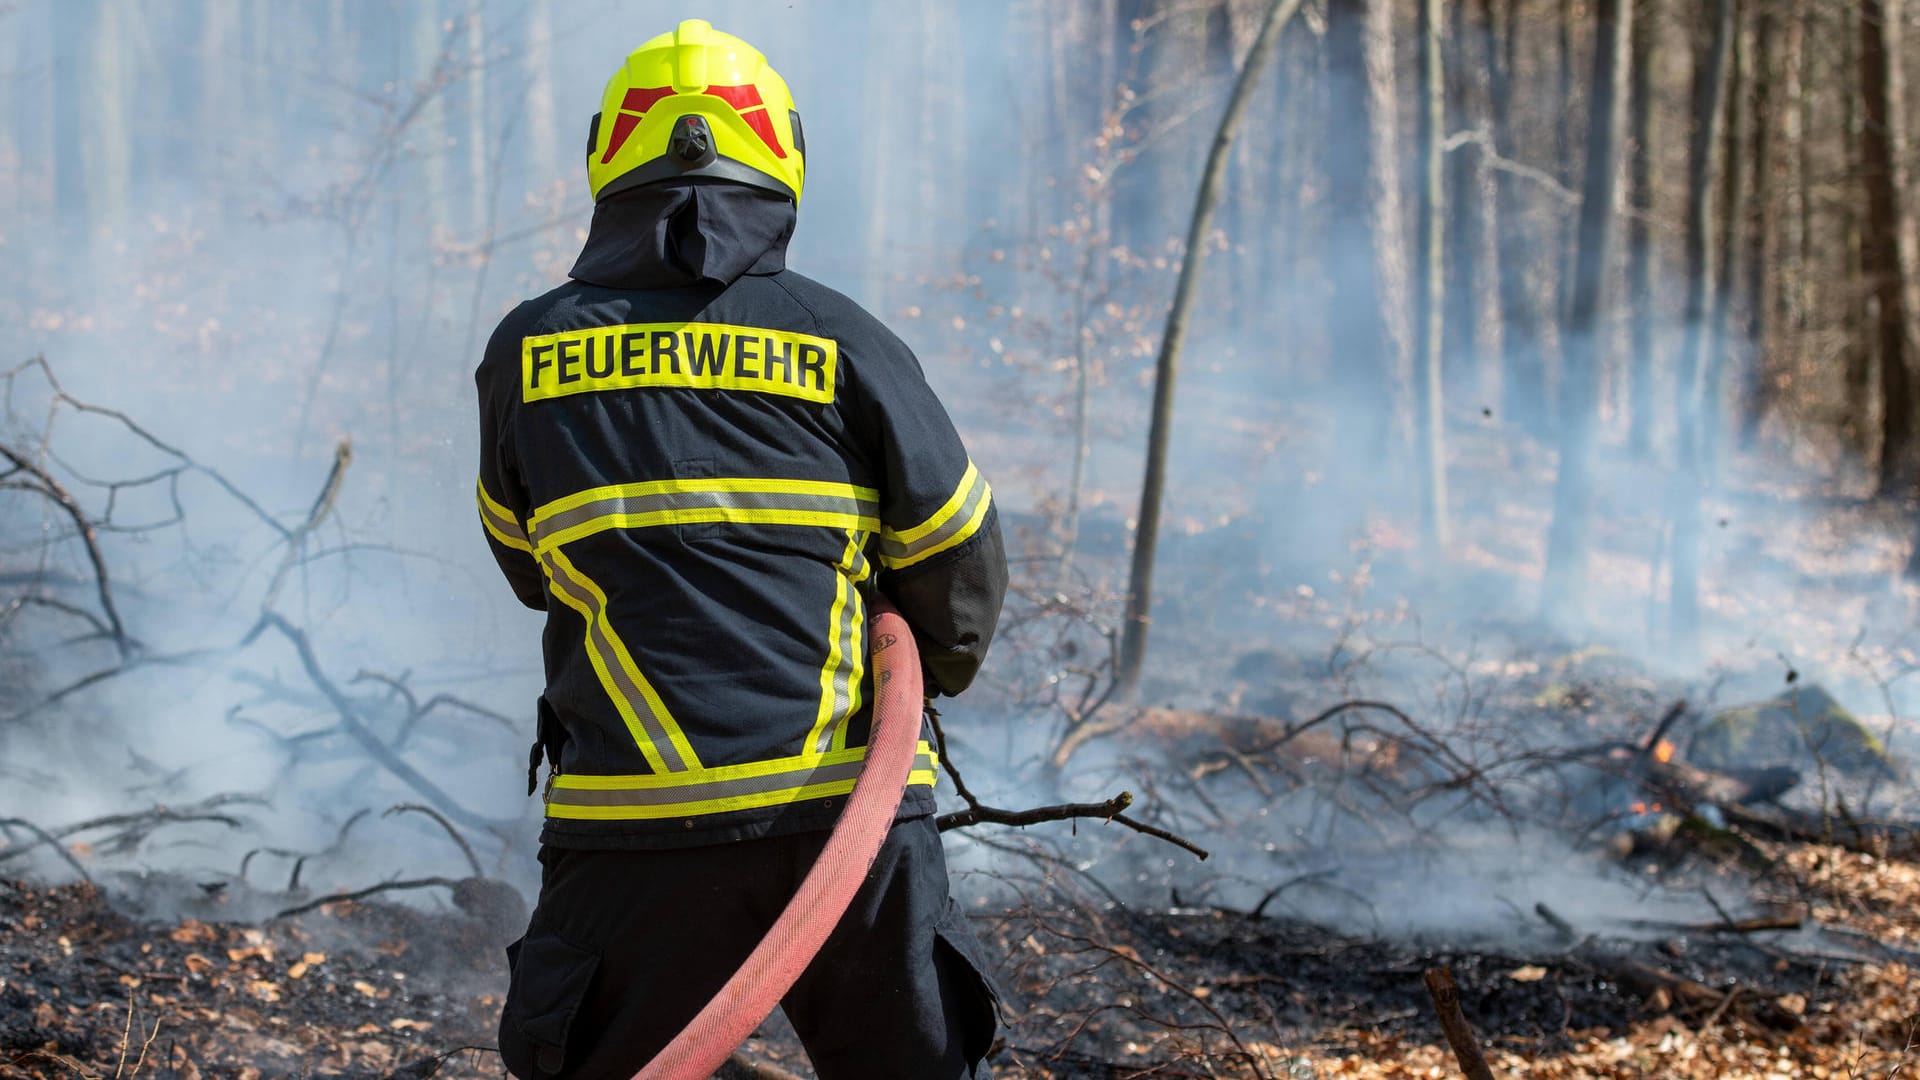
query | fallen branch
(978,813)
(45,839)
(300,857)
(362,894)
(465,848)
(45,485)
(1757,925)
(357,729)
(141,823)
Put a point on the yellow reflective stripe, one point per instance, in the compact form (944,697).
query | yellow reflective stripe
(946,511)
(832,689)
(660,740)
(721,789)
(860,570)
(951,525)
(951,539)
(656,487)
(855,671)
(500,521)
(683,502)
(840,677)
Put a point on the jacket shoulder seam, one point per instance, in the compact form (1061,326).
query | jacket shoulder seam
(818,323)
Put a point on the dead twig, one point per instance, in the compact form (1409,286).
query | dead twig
(300,857)
(362,894)
(465,848)
(46,486)
(357,729)
(47,839)
(978,813)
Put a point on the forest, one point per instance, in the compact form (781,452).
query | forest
(1460,465)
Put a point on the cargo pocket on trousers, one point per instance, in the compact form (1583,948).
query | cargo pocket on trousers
(963,965)
(548,981)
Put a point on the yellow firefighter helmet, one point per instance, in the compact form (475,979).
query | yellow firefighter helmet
(696,102)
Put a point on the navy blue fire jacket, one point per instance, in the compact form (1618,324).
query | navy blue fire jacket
(701,465)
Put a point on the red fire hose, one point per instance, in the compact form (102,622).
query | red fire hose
(811,915)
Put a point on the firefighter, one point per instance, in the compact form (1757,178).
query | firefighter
(704,468)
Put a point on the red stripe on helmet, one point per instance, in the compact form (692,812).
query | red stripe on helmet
(632,108)
(763,127)
(742,97)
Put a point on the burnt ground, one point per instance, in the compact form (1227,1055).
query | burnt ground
(379,989)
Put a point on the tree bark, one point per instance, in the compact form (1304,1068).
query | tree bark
(1356,333)
(430,123)
(1709,87)
(1564,585)
(1755,396)
(479,181)
(1721,344)
(1465,170)
(1856,306)
(1791,281)
(1133,640)
(1882,152)
(1430,311)
(1640,304)
(70,26)
(1523,378)
(543,160)
(1453,1023)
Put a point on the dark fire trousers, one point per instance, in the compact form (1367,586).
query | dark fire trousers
(624,947)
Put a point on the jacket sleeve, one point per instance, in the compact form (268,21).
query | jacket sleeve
(942,560)
(502,496)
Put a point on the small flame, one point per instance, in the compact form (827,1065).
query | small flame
(1639,808)
(1663,751)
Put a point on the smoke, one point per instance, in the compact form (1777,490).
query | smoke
(260,231)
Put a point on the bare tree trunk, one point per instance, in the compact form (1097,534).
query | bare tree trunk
(543,158)
(1913,560)
(70,26)
(107,143)
(1464,173)
(429,60)
(1755,396)
(1429,317)
(1709,87)
(1523,375)
(1791,281)
(1882,152)
(1356,332)
(1858,371)
(1386,207)
(1133,640)
(1640,305)
(478,179)
(1563,589)
(1720,343)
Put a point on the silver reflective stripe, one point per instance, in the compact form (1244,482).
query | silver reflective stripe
(502,524)
(704,500)
(710,790)
(896,552)
(616,672)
